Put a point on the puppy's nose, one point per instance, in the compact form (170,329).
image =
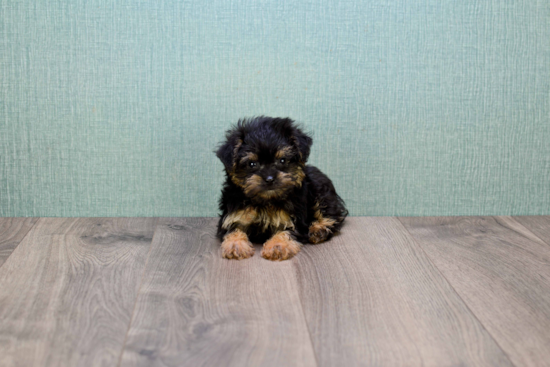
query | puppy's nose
(269,179)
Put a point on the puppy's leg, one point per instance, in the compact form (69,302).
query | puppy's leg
(324,225)
(281,246)
(236,245)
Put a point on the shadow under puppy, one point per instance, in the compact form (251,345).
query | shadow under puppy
(270,195)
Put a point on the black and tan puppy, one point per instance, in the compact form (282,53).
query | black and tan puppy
(270,196)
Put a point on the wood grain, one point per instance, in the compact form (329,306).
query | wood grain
(539,225)
(68,290)
(372,298)
(12,231)
(502,271)
(197,309)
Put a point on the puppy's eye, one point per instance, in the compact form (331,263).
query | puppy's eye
(252,164)
(282,160)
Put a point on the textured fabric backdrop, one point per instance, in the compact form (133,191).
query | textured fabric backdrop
(418,107)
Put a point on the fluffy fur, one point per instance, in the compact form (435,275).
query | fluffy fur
(270,195)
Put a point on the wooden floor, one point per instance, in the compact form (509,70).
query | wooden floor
(439,291)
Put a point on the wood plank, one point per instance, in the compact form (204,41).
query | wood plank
(539,225)
(372,298)
(67,291)
(197,309)
(12,231)
(502,271)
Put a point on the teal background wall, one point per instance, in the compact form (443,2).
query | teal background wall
(418,107)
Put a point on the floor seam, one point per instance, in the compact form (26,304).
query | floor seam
(138,294)
(296,271)
(20,242)
(413,238)
(528,230)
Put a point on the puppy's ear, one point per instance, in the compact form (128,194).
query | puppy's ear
(302,142)
(227,152)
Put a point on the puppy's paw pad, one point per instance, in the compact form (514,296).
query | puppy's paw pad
(277,250)
(237,249)
(318,233)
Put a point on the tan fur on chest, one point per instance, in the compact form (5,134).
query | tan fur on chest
(266,218)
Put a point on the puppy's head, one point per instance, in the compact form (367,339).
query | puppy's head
(265,156)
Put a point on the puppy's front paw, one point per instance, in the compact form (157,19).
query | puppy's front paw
(280,247)
(235,245)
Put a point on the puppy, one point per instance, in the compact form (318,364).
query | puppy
(270,195)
